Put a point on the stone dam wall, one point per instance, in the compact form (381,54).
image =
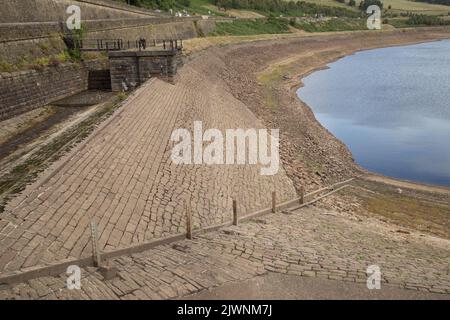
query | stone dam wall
(25,11)
(34,28)
(25,41)
(30,29)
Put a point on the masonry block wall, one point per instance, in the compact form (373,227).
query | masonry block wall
(27,90)
(33,40)
(33,28)
(55,10)
(130,69)
(124,73)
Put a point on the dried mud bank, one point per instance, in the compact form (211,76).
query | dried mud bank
(265,76)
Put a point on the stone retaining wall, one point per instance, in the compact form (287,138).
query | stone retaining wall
(33,28)
(27,90)
(55,10)
(36,40)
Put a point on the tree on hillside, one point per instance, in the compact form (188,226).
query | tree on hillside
(367,3)
(225,4)
(136,3)
(445,2)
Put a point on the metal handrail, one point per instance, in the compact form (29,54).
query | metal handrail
(120,44)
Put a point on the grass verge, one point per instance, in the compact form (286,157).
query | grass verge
(269,82)
(251,27)
(338,24)
(422,211)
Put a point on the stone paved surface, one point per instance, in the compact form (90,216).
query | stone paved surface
(124,179)
(310,242)
(281,286)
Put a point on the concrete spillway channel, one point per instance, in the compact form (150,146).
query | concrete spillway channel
(31,141)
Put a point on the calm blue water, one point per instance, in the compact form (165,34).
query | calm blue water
(391,107)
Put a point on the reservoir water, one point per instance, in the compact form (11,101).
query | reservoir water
(391,107)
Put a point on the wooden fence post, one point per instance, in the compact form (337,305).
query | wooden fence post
(274,202)
(302,195)
(188,221)
(235,213)
(95,250)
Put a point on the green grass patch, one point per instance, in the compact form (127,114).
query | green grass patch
(424,20)
(269,81)
(41,62)
(44,47)
(121,96)
(28,63)
(251,27)
(417,20)
(200,7)
(290,8)
(331,25)
(411,212)
(6,67)
(62,57)
(415,209)
(192,6)
(398,22)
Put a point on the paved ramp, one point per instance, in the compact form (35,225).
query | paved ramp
(123,178)
(311,253)
(109,179)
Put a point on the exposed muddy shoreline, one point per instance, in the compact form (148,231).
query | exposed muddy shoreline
(265,76)
(373,176)
(296,82)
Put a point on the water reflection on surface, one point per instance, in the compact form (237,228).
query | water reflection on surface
(391,107)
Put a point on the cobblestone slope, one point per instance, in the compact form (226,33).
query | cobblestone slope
(309,242)
(123,178)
